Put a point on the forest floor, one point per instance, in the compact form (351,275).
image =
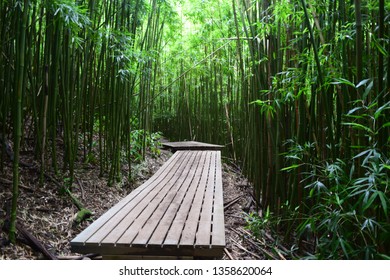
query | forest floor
(49,216)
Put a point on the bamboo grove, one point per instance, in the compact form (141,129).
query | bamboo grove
(74,75)
(296,90)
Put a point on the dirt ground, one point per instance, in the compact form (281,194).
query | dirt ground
(49,216)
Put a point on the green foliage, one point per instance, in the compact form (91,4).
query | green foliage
(141,139)
(73,15)
(306,67)
(99,74)
(266,107)
(348,216)
(258,225)
(87,73)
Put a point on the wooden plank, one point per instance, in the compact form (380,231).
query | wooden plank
(161,229)
(114,217)
(96,225)
(177,212)
(104,250)
(191,145)
(190,228)
(119,227)
(174,233)
(203,236)
(156,215)
(218,234)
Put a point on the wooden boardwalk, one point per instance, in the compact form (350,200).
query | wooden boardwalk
(191,145)
(177,213)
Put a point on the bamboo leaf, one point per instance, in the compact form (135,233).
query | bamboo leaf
(379,111)
(265,106)
(363,82)
(338,200)
(368,89)
(370,201)
(288,168)
(386,166)
(342,81)
(362,154)
(359,126)
(370,224)
(343,247)
(383,202)
(379,46)
(350,112)
(385,257)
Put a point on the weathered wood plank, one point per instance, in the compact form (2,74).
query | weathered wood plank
(203,236)
(119,227)
(160,232)
(191,145)
(176,188)
(218,234)
(96,225)
(175,231)
(177,212)
(191,226)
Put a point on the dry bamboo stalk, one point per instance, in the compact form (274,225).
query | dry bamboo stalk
(262,244)
(228,254)
(232,202)
(245,250)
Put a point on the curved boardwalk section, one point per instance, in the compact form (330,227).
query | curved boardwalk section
(177,213)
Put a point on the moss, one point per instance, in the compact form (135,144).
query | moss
(82,215)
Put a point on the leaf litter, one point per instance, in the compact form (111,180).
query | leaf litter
(49,216)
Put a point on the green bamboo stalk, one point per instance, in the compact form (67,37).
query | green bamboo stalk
(328,100)
(382,137)
(19,91)
(359,46)
(6,60)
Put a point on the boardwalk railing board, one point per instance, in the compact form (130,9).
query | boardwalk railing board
(177,212)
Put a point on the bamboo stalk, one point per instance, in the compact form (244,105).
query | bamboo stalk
(19,90)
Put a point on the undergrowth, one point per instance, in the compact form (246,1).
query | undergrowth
(345,214)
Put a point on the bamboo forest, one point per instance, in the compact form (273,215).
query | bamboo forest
(297,92)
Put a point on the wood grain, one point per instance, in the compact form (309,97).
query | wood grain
(177,212)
